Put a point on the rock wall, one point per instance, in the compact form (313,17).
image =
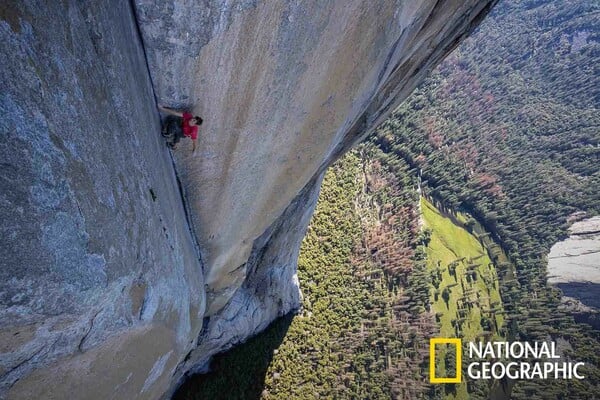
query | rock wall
(285,88)
(101,287)
(103,293)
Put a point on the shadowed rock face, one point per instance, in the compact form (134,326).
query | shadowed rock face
(102,291)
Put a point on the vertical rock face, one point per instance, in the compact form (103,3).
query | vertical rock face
(284,88)
(102,292)
(101,289)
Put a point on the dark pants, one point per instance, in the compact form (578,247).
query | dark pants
(173,129)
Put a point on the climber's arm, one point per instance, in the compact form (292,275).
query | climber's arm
(170,111)
(194,145)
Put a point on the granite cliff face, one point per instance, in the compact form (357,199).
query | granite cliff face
(101,286)
(285,88)
(109,281)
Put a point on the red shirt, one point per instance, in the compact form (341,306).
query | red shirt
(189,131)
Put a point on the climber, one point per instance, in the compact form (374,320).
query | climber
(178,125)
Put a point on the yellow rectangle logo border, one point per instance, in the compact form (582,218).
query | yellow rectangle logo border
(458,343)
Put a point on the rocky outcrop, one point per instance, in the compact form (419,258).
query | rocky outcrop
(574,267)
(577,258)
(102,282)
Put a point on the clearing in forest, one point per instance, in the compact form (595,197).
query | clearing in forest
(465,294)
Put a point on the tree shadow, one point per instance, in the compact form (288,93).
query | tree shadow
(240,372)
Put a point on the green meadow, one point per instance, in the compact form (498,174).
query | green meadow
(465,295)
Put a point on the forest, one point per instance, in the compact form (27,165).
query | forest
(507,129)
(495,154)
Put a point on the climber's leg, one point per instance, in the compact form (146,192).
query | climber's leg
(172,130)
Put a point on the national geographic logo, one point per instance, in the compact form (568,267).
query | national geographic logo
(497,360)
(458,373)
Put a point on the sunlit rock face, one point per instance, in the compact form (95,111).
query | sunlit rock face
(284,87)
(102,290)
